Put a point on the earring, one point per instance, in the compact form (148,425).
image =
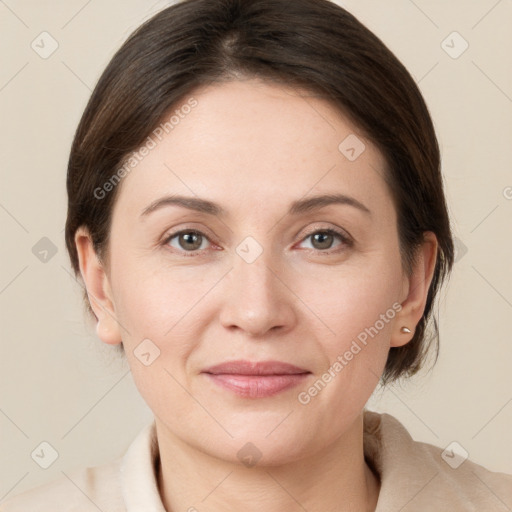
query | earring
(405,330)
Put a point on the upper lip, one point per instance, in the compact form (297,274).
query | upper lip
(255,368)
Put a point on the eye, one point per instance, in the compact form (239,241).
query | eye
(188,240)
(193,241)
(323,239)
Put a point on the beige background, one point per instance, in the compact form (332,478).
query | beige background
(60,385)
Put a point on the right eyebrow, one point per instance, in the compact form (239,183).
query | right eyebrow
(192,203)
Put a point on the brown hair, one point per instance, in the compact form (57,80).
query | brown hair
(312,44)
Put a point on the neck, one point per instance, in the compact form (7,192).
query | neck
(337,478)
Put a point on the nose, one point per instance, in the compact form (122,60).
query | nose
(257,298)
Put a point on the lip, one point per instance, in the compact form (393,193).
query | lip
(256,379)
(255,368)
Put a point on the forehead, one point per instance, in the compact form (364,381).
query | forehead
(254,143)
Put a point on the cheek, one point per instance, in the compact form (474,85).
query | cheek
(152,296)
(354,360)
(358,306)
(167,305)
(353,299)
(157,310)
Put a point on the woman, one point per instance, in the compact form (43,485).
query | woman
(257,213)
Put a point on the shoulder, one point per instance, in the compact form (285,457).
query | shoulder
(85,489)
(421,476)
(127,482)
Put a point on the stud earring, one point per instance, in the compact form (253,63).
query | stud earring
(405,330)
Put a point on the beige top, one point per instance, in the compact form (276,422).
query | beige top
(415,477)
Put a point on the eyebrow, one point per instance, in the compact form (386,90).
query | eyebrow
(298,207)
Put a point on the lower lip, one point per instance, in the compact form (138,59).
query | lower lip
(257,386)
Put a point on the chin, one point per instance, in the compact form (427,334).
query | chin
(249,453)
(258,445)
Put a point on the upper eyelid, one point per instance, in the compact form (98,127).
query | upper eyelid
(168,235)
(337,230)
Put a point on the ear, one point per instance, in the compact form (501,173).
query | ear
(98,289)
(415,290)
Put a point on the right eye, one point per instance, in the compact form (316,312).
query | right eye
(187,240)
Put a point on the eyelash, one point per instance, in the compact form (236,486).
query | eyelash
(346,241)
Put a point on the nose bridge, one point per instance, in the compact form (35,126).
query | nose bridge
(257,278)
(256,300)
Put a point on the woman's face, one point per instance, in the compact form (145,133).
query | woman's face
(259,272)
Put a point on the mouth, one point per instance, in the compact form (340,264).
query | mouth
(256,379)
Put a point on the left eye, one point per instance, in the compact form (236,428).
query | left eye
(323,239)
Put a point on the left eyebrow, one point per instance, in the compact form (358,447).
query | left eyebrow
(316,202)
(298,207)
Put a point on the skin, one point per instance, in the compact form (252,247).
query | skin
(254,148)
